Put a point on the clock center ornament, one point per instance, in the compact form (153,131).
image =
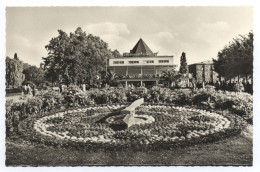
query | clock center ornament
(131,118)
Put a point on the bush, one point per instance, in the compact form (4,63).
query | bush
(51,100)
(239,103)
(133,94)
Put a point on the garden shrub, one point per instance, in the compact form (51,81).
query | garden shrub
(9,117)
(33,105)
(201,97)
(133,94)
(239,103)
(117,95)
(181,97)
(82,100)
(51,100)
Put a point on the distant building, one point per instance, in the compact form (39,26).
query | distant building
(203,71)
(140,66)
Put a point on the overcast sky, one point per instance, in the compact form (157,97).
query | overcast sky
(200,32)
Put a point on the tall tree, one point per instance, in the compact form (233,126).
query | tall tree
(183,64)
(14,69)
(75,58)
(236,59)
(34,74)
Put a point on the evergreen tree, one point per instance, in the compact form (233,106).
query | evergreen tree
(184,66)
(16,56)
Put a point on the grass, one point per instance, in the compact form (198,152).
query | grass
(232,151)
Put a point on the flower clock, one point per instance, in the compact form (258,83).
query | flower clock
(161,126)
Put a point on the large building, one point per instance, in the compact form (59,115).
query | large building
(141,66)
(203,72)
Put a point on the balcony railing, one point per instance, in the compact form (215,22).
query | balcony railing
(139,76)
(139,54)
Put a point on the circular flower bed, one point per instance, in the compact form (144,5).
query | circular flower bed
(167,126)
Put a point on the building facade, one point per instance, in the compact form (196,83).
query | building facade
(203,72)
(141,66)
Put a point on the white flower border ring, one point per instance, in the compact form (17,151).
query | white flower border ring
(221,123)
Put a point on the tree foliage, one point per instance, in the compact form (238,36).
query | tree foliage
(184,66)
(16,56)
(14,69)
(236,59)
(75,58)
(26,65)
(116,54)
(34,74)
(171,76)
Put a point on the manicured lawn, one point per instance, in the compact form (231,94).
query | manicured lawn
(232,151)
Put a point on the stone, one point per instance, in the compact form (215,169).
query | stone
(130,112)
(132,107)
(129,120)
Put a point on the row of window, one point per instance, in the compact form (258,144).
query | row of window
(163,61)
(133,62)
(136,62)
(118,62)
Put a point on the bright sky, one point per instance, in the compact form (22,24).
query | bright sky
(200,32)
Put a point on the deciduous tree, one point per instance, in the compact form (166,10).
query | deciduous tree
(236,59)
(34,74)
(75,58)
(116,54)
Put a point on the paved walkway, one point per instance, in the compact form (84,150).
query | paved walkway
(15,97)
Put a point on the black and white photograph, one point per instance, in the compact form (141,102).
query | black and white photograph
(128,86)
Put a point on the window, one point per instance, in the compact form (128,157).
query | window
(149,61)
(133,62)
(118,62)
(163,61)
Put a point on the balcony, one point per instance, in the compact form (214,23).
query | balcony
(148,76)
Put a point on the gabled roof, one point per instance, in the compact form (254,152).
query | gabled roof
(141,48)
